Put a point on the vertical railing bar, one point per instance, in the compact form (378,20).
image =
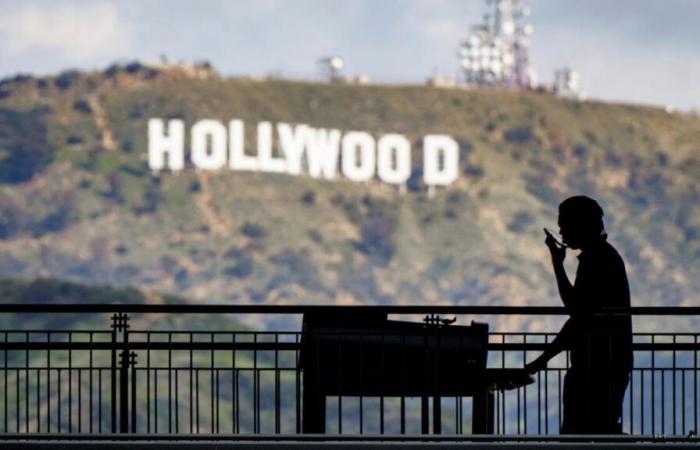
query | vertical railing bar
(191,373)
(673,383)
(6,373)
(683,371)
(148,382)
(155,400)
(237,411)
(38,400)
(212,382)
(99,400)
(653,386)
(58,387)
(539,403)
(517,409)
(641,399)
(177,400)
(559,390)
(17,395)
(524,387)
(196,396)
(70,384)
(26,385)
(234,399)
(695,383)
(256,387)
(48,383)
(503,396)
(277,386)
(217,401)
(546,392)
(80,393)
(90,382)
(170,382)
(663,400)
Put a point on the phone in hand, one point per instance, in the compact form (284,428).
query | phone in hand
(553,235)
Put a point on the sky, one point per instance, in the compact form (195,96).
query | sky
(639,51)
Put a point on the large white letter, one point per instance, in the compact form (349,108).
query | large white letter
(354,169)
(435,148)
(393,159)
(238,160)
(201,132)
(322,148)
(268,163)
(292,141)
(159,144)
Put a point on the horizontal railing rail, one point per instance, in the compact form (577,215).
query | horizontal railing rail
(209,308)
(281,346)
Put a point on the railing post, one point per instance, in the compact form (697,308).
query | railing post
(113,374)
(120,323)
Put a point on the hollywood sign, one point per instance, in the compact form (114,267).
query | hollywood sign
(300,149)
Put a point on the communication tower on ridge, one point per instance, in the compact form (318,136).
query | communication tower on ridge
(496,51)
(331,68)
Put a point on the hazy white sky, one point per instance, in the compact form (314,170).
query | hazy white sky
(632,50)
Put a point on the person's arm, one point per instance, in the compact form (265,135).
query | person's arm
(560,343)
(566,289)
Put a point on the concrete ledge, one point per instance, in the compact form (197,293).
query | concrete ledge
(344,442)
(281,445)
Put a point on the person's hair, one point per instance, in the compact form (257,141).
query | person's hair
(585,211)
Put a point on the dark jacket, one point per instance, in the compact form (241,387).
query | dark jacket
(600,341)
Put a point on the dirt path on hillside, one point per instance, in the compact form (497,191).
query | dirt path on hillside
(100,116)
(217,223)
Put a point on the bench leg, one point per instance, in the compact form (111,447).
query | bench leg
(437,415)
(482,412)
(313,411)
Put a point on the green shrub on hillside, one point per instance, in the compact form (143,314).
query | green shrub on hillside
(24,147)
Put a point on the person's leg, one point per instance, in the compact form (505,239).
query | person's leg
(605,396)
(617,395)
(574,404)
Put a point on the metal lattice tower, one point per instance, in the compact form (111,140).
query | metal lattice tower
(496,52)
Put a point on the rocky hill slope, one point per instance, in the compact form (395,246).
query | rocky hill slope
(79,202)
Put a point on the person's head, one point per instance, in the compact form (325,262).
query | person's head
(580,221)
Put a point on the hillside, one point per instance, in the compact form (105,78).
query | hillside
(79,202)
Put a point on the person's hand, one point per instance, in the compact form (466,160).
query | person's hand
(536,365)
(558,252)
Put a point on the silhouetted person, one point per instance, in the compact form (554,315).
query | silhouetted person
(600,345)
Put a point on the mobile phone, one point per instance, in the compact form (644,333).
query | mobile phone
(553,235)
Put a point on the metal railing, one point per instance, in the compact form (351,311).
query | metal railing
(129,380)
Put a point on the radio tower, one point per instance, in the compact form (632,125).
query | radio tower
(496,52)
